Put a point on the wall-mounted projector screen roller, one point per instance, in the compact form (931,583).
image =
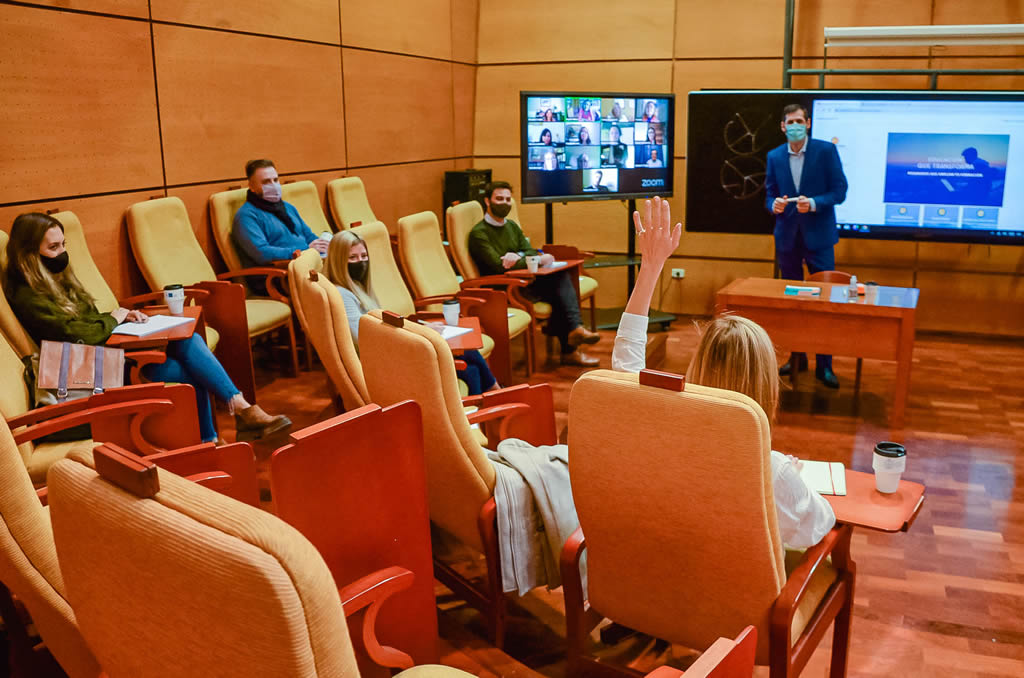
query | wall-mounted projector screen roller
(939,166)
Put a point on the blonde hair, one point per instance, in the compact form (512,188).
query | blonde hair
(24,260)
(736,354)
(336,267)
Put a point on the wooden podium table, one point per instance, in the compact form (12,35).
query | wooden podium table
(880,327)
(864,506)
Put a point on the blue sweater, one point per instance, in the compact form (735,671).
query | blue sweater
(260,237)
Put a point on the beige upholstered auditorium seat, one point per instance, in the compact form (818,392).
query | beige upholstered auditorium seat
(28,564)
(223,206)
(347,199)
(168,252)
(306,199)
(693,527)
(325,323)
(187,582)
(10,326)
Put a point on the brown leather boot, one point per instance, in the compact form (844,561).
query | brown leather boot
(581,335)
(580,359)
(253,423)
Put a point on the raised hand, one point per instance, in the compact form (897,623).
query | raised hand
(656,238)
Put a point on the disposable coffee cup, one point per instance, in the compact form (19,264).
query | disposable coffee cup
(870,293)
(174,297)
(450,308)
(533,263)
(889,463)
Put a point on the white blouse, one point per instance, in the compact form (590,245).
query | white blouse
(804,516)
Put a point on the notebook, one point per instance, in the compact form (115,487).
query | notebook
(824,477)
(156,323)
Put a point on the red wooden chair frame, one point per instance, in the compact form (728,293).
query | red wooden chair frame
(785,661)
(368,466)
(527,412)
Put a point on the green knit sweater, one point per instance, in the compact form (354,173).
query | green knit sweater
(488,244)
(44,319)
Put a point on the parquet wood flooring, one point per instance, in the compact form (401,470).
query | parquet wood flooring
(945,599)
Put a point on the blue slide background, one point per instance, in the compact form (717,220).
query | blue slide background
(939,169)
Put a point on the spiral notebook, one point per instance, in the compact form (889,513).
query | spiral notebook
(156,323)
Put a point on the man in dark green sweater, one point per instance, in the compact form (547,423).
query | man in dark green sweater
(497,245)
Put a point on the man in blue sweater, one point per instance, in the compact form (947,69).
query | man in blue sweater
(804,181)
(267,228)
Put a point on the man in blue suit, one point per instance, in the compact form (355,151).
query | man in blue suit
(805,224)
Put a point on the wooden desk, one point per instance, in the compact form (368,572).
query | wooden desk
(881,328)
(464,342)
(864,506)
(158,339)
(547,270)
(471,340)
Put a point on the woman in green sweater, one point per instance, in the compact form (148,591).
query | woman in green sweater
(52,305)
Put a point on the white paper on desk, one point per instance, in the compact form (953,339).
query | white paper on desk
(556,264)
(824,477)
(156,323)
(447,331)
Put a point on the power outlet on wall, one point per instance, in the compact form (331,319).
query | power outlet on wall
(678,273)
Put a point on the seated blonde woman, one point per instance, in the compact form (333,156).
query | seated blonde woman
(735,354)
(348,267)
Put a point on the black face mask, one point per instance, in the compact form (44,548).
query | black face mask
(500,209)
(357,270)
(56,264)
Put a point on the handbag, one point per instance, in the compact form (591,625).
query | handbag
(73,371)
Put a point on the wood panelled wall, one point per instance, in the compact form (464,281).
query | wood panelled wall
(104,103)
(679,46)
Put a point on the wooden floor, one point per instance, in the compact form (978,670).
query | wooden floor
(945,599)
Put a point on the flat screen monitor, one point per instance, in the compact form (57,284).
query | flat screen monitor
(595,145)
(939,166)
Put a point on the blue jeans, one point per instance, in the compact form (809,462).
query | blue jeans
(189,361)
(477,374)
(791,267)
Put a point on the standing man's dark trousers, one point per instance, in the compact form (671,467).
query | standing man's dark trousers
(791,267)
(557,289)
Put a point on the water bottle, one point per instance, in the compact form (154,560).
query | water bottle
(851,292)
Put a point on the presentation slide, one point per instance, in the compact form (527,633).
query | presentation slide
(578,145)
(926,163)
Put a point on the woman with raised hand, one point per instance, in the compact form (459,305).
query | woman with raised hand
(348,267)
(734,353)
(51,304)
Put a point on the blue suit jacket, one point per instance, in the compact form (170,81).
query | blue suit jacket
(822,179)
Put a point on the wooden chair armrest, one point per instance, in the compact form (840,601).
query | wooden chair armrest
(496,281)
(228,469)
(40,414)
(429,301)
(141,359)
(370,592)
(44,496)
(218,481)
(472,401)
(274,280)
(506,412)
(837,544)
(460,365)
(138,409)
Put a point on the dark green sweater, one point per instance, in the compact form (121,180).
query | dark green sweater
(488,244)
(44,319)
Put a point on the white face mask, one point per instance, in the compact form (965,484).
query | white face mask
(272,192)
